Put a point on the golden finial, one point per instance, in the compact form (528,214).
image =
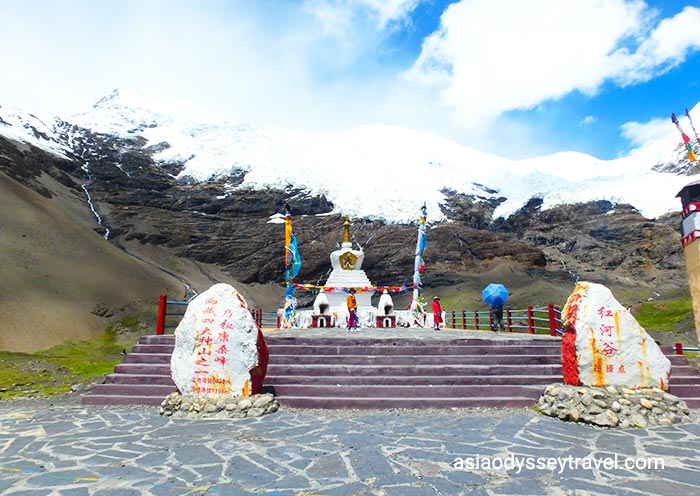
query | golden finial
(346,230)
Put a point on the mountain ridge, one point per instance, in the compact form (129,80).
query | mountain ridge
(217,229)
(404,168)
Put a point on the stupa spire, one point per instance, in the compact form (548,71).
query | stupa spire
(346,230)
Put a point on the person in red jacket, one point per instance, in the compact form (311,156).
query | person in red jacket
(437,313)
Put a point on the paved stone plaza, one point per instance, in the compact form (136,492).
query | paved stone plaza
(68,449)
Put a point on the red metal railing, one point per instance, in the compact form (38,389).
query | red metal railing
(531,320)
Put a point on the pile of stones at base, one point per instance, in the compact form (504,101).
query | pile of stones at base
(613,406)
(610,406)
(219,407)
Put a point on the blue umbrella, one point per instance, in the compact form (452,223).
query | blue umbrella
(495,295)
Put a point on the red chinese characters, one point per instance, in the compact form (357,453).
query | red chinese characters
(605,337)
(211,349)
(605,312)
(211,385)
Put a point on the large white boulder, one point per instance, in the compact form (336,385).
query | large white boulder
(603,344)
(219,350)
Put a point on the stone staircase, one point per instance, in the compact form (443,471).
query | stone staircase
(361,372)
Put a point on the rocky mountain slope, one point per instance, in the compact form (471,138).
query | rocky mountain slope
(173,233)
(60,280)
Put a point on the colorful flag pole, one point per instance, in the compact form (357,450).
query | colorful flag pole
(686,140)
(417,301)
(687,114)
(292,264)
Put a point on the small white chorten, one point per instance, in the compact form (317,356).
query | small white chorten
(385,307)
(321,305)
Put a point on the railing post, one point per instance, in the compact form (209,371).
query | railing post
(679,348)
(552,322)
(530,320)
(476,320)
(509,320)
(464,319)
(160,321)
(257,316)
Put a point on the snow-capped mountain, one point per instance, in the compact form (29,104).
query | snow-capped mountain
(370,172)
(169,183)
(27,128)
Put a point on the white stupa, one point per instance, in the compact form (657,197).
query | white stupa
(347,272)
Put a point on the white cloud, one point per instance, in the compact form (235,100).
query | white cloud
(650,133)
(493,56)
(665,48)
(340,16)
(325,65)
(589,119)
(640,134)
(390,10)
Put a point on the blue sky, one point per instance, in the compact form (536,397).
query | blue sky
(518,78)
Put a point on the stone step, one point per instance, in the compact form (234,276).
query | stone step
(396,358)
(671,350)
(301,350)
(412,350)
(161,390)
(160,369)
(406,402)
(270,379)
(114,399)
(426,359)
(408,341)
(301,341)
(677,359)
(685,390)
(155,339)
(162,358)
(361,372)
(684,379)
(401,370)
(153,348)
(453,391)
(544,380)
(686,370)
(142,368)
(139,379)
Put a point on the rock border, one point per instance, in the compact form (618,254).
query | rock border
(613,406)
(176,405)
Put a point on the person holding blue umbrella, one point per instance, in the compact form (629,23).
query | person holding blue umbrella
(495,295)
(496,313)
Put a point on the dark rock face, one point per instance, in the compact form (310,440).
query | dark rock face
(604,242)
(476,212)
(141,200)
(26,167)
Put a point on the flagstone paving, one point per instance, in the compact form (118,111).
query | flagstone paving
(69,449)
